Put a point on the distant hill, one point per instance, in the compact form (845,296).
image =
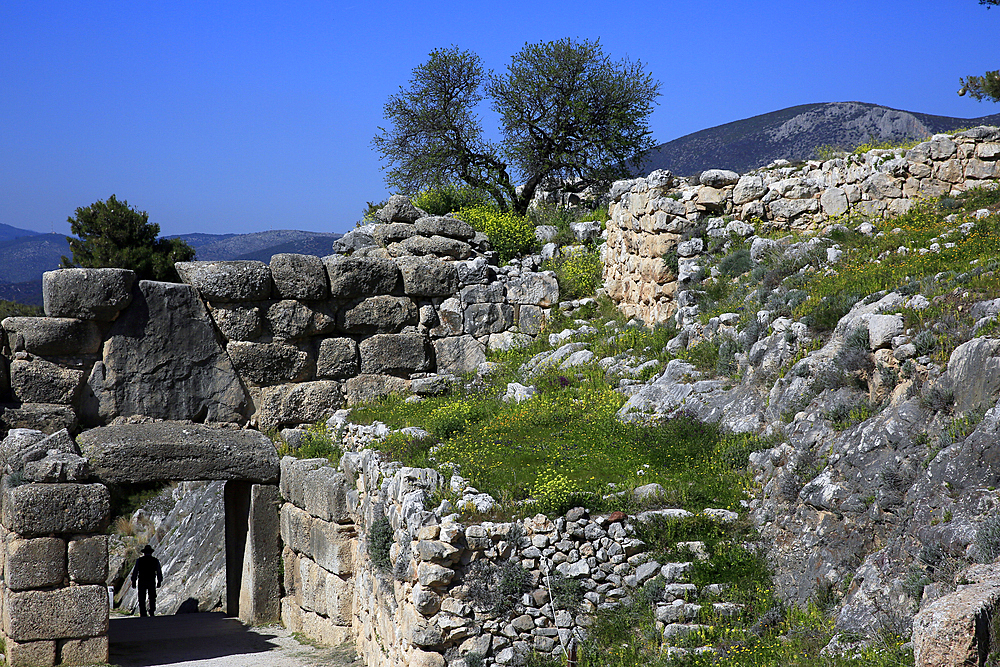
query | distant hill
(795,133)
(26,255)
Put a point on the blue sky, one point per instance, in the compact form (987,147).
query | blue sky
(225,116)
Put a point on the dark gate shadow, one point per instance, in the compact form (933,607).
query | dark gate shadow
(164,640)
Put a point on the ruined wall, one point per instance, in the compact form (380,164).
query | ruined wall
(424,608)
(273,345)
(649,216)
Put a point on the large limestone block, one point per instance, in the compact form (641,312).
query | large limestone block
(87,560)
(458,354)
(264,364)
(367,388)
(40,381)
(162,359)
(536,289)
(392,233)
(974,373)
(332,548)
(260,589)
(134,453)
(295,528)
(956,629)
(35,563)
(87,294)
(424,276)
(293,477)
(399,208)
(45,417)
(299,277)
(294,319)
(302,403)
(492,293)
(444,226)
(379,314)
(325,494)
(394,354)
(748,188)
(337,358)
(238,280)
(43,509)
(88,651)
(488,318)
(440,246)
(238,321)
(76,611)
(834,201)
(52,335)
(32,654)
(360,276)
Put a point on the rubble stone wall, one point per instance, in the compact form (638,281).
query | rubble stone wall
(651,217)
(424,607)
(276,344)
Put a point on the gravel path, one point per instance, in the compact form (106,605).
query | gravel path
(213,640)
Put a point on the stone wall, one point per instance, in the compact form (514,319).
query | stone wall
(273,345)
(55,563)
(423,608)
(651,216)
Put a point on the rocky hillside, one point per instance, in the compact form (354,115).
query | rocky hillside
(794,134)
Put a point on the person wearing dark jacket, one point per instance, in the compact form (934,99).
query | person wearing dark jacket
(149,575)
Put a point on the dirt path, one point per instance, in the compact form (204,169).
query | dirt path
(213,640)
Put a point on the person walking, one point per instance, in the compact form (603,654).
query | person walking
(149,575)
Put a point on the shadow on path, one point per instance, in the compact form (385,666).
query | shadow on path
(167,640)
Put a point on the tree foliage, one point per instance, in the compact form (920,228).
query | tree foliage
(986,86)
(568,114)
(113,234)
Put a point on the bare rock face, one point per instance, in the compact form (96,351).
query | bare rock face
(134,453)
(956,629)
(162,359)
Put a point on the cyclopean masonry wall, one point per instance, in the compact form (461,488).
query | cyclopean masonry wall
(273,345)
(423,608)
(650,216)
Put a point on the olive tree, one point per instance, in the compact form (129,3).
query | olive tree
(570,117)
(986,86)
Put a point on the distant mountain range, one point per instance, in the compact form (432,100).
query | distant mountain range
(25,255)
(795,133)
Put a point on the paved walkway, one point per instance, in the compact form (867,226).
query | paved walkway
(213,640)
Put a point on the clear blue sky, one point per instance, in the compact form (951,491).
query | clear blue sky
(226,116)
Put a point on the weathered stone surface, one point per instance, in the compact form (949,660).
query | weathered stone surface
(337,358)
(366,388)
(379,314)
(974,372)
(356,239)
(89,651)
(162,359)
(440,246)
(949,632)
(33,654)
(360,276)
(87,294)
(487,318)
(136,453)
(299,277)
(88,559)
(436,225)
(52,335)
(392,233)
(237,280)
(537,289)
(18,441)
(265,364)
(295,319)
(718,178)
(35,563)
(238,321)
(325,496)
(293,478)
(393,354)
(424,276)
(834,201)
(41,509)
(260,589)
(58,467)
(23,446)
(399,208)
(748,188)
(458,354)
(40,381)
(492,293)
(45,417)
(882,329)
(302,403)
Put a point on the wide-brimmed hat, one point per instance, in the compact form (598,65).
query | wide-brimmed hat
(147,549)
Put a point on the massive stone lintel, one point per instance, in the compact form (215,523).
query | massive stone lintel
(130,453)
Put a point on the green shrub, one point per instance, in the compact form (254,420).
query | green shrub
(736,263)
(510,234)
(449,198)
(496,589)
(579,273)
(988,539)
(379,542)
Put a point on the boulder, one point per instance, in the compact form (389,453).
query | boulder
(748,188)
(492,293)
(882,329)
(440,246)
(585,231)
(295,319)
(392,233)
(264,364)
(378,314)
(87,559)
(45,417)
(23,446)
(956,629)
(75,611)
(43,509)
(475,271)
(353,240)
(40,381)
(718,178)
(238,322)
(394,354)
(299,277)
(458,354)
(360,276)
(399,208)
(337,358)
(443,226)
(974,372)
(58,467)
(428,277)
(301,403)
(52,336)
(87,294)
(367,388)
(488,318)
(834,201)
(136,453)
(238,280)
(17,441)
(162,359)
(537,289)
